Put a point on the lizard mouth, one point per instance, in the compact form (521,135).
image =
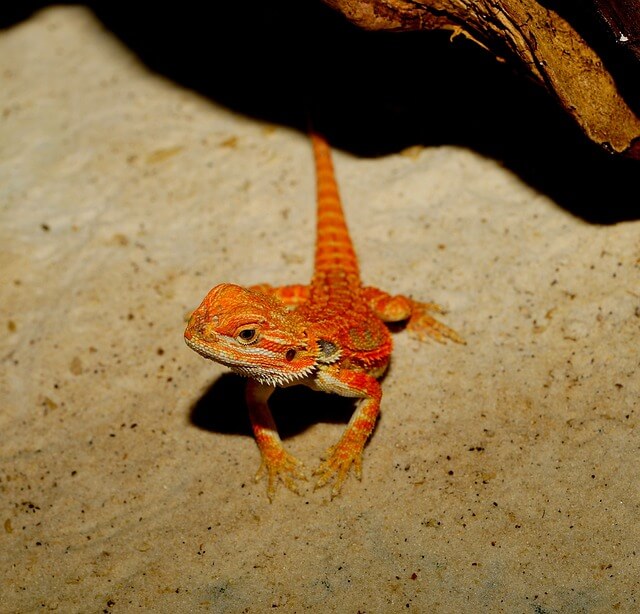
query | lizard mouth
(277,378)
(204,349)
(271,376)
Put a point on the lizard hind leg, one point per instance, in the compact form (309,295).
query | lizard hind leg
(420,322)
(277,464)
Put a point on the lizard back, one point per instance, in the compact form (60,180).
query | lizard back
(336,301)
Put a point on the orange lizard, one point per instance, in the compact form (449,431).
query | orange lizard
(329,335)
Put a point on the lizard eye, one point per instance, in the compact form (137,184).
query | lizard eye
(247,335)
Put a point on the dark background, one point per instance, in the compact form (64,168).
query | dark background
(375,93)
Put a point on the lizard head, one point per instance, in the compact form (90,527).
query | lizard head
(253,334)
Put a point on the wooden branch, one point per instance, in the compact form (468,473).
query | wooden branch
(544,43)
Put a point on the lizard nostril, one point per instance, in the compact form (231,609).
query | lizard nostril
(209,332)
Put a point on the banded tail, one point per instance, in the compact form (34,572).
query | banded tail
(334,250)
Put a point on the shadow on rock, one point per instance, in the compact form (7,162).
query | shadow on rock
(222,408)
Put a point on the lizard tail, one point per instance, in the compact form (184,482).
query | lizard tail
(334,250)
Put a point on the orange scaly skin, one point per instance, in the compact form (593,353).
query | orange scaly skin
(329,335)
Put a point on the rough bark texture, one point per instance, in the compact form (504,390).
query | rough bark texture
(545,43)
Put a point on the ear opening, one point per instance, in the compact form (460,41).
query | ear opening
(329,351)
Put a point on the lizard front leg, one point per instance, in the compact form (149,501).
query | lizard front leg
(277,463)
(348,451)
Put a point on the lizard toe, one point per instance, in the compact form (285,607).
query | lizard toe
(284,468)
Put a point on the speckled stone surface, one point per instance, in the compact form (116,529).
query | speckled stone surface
(502,475)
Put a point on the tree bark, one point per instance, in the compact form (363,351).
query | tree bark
(546,45)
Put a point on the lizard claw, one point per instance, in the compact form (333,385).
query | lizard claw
(340,459)
(422,324)
(285,468)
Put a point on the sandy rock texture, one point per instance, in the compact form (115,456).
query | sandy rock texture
(502,475)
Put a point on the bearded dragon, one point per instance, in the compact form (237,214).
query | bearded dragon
(329,335)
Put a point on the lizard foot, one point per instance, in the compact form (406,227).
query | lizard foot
(340,458)
(284,467)
(423,324)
